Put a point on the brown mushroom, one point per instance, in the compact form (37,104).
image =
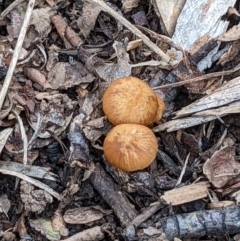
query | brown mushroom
(130,100)
(130,147)
(160,110)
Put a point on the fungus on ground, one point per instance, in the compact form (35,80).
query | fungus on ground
(130,100)
(130,147)
(160,110)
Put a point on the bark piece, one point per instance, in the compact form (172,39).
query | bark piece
(112,195)
(186,194)
(169,11)
(199,18)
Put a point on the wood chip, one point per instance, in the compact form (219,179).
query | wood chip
(186,194)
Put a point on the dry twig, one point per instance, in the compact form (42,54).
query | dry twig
(16,53)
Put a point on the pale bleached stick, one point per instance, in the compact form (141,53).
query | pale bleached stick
(133,29)
(16,53)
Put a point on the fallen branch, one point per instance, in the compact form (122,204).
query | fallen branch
(220,221)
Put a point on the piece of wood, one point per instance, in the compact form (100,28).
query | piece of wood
(169,11)
(199,18)
(112,195)
(186,194)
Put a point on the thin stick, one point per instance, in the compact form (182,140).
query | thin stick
(16,53)
(203,77)
(132,28)
(24,137)
(183,171)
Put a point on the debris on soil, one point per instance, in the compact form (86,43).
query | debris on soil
(58,58)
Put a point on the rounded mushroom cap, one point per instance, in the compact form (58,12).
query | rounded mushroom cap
(130,147)
(130,100)
(160,110)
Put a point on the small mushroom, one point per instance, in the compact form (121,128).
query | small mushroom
(130,100)
(130,147)
(160,110)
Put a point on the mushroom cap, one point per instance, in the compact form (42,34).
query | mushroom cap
(160,110)
(130,100)
(130,147)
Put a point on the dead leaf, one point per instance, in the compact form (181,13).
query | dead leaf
(128,5)
(222,167)
(88,19)
(94,129)
(44,226)
(25,96)
(57,113)
(79,144)
(21,228)
(5,204)
(41,20)
(231,35)
(64,75)
(140,18)
(16,24)
(36,76)
(34,200)
(58,223)
(112,71)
